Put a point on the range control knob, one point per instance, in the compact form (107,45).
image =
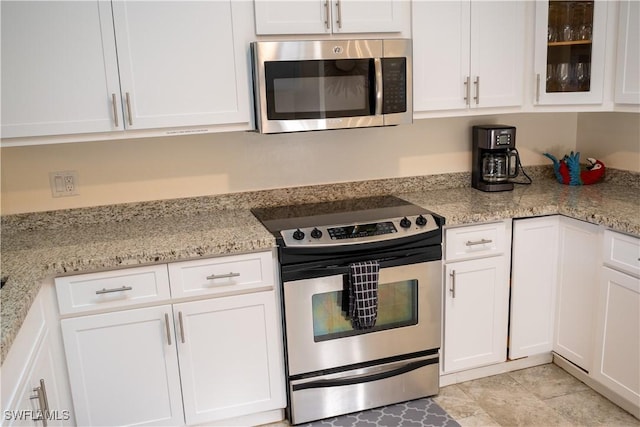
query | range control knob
(405,223)
(298,234)
(316,234)
(421,221)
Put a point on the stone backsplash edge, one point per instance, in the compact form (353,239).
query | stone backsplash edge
(262,198)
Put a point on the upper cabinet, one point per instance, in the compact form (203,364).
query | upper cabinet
(59,68)
(331,16)
(78,67)
(468,54)
(569,63)
(628,66)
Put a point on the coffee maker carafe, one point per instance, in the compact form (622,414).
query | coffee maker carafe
(494,157)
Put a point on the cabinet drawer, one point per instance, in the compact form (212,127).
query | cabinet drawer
(475,241)
(224,275)
(112,289)
(622,252)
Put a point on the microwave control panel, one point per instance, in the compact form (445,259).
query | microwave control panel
(394,85)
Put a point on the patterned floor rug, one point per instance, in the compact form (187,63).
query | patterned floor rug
(415,413)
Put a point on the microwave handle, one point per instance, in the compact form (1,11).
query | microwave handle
(377,64)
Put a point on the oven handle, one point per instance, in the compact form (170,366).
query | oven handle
(337,269)
(359,379)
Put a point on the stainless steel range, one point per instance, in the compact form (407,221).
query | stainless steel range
(338,361)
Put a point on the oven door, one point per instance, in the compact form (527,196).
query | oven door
(320,336)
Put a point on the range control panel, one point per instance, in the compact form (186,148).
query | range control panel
(347,234)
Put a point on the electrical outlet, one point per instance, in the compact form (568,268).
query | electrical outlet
(64,183)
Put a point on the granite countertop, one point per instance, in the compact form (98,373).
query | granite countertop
(36,247)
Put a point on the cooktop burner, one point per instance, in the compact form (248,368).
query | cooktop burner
(346,222)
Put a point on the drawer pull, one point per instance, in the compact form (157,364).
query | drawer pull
(478,242)
(108,291)
(222,276)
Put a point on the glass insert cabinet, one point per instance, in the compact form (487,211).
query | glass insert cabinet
(569,51)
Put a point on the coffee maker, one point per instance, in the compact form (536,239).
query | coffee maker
(495,159)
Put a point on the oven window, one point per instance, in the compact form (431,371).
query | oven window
(319,89)
(397,307)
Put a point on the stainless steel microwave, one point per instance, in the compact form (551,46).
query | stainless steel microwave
(331,84)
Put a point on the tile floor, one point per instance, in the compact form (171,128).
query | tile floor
(540,396)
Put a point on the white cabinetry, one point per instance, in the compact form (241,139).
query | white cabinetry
(617,358)
(214,359)
(468,54)
(476,302)
(34,377)
(331,16)
(569,67)
(177,64)
(59,68)
(534,274)
(579,255)
(628,67)
(123,368)
(229,363)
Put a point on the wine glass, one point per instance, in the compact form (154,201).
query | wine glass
(552,85)
(563,72)
(566,22)
(552,29)
(583,77)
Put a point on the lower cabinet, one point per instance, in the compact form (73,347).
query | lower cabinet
(35,389)
(534,277)
(123,368)
(229,364)
(579,254)
(617,342)
(215,359)
(476,307)
(476,296)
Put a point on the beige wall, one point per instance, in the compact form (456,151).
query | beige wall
(613,138)
(172,167)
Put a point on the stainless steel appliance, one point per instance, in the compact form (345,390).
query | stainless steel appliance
(332,367)
(494,156)
(331,84)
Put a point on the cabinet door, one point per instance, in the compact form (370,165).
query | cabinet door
(182,63)
(628,67)
(369,16)
(617,359)
(534,267)
(59,68)
(230,356)
(476,311)
(497,53)
(579,248)
(440,54)
(124,368)
(292,17)
(569,58)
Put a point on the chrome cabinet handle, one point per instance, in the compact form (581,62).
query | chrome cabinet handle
(115,109)
(181,326)
(129,109)
(339,17)
(43,401)
(477,84)
(326,14)
(538,88)
(452,289)
(222,276)
(467,90)
(108,291)
(166,324)
(478,242)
